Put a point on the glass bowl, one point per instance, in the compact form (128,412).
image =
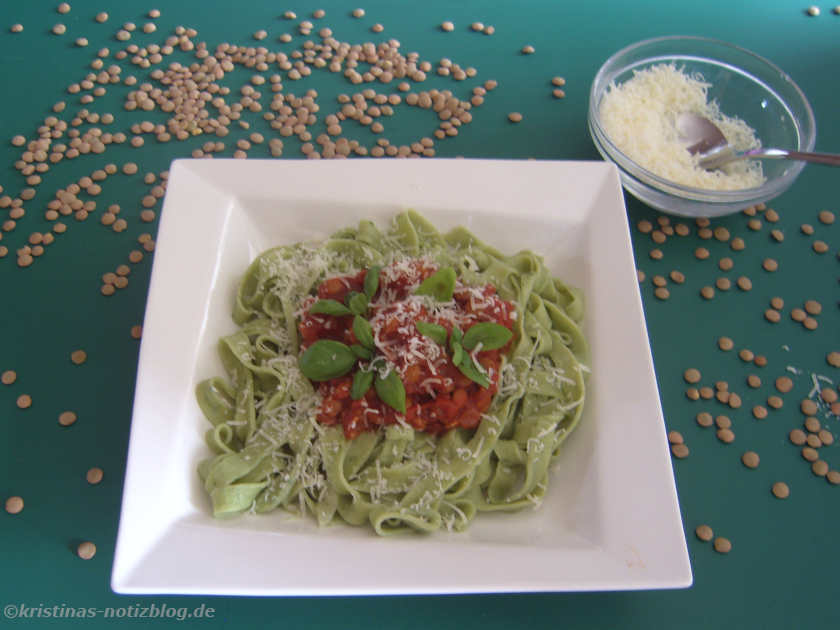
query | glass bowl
(744,85)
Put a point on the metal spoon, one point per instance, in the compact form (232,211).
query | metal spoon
(704,138)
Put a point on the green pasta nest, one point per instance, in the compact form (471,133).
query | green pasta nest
(270,452)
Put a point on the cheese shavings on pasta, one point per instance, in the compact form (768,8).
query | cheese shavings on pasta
(270,452)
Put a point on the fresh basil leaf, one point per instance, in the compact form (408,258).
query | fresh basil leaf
(391,391)
(440,285)
(455,337)
(469,369)
(435,332)
(363,332)
(491,336)
(357,302)
(457,352)
(372,281)
(361,384)
(361,352)
(326,359)
(329,307)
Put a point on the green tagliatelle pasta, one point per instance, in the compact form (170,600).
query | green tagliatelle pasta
(270,451)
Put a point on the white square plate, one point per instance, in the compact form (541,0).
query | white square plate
(610,520)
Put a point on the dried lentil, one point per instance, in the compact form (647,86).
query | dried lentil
(86,550)
(704,419)
(750,459)
(704,533)
(780,490)
(66,418)
(94,475)
(680,451)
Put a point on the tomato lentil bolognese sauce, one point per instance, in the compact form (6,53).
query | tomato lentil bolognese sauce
(416,335)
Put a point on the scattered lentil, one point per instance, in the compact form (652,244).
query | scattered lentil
(812,424)
(780,490)
(760,360)
(701,253)
(78,356)
(66,418)
(808,407)
(707,292)
(819,468)
(759,412)
(810,454)
(744,283)
(662,293)
(86,550)
(807,229)
(94,475)
(723,422)
(14,505)
(798,315)
(726,436)
(820,247)
(24,401)
(797,437)
(680,451)
(722,545)
(826,217)
(750,459)
(810,323)
(826,437)
(59,29)
(725,344)
(813,307)
(833,476)
(775,402)
(515,117)
(784,384)
(704,533)
(704,419)
(746,355)
(8,377)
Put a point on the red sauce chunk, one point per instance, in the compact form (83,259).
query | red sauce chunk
(438,396)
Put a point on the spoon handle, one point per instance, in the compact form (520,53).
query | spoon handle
(780,154)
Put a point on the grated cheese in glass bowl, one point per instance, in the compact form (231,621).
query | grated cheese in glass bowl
(638,94)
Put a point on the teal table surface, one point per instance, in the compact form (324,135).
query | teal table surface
(781,571)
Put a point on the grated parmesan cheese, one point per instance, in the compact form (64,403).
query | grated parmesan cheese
(640,115)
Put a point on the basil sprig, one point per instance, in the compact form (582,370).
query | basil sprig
(329,307)
(469,369)
(357,303)
(371,284)
(491,336)
(363,331)
(435,332)
(326,359)
(362,381)
(440,285)
(390,390)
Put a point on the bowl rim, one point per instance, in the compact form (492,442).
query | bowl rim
(774,186)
